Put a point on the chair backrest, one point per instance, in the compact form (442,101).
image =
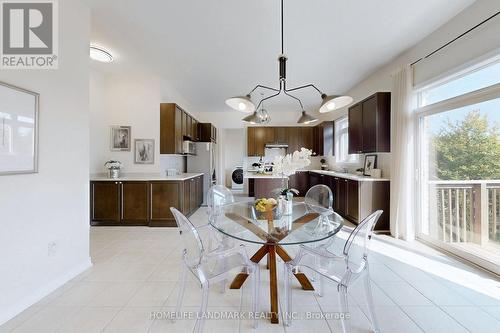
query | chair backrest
(218,196)
(356,247)
(193,246)
(319,199)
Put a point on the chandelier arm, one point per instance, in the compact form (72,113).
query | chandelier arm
(261,86)
(298,99)
(268,97)
(305,86)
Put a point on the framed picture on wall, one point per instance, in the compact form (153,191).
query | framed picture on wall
(120,138)
(370,164)
(144,151)
(18,130)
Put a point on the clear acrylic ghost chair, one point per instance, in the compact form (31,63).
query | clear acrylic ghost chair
(319,199)
(206,266)
(219,196)
(343,270)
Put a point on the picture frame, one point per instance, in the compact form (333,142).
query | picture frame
(144,151)
(370,164)
(19,113)
(121,138)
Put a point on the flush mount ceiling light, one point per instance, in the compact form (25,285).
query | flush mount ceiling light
(244,103)
(99,54)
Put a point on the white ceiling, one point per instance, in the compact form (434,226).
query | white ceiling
(211,50)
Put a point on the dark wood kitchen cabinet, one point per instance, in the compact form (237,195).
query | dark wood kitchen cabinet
(281,135)
(355,200)
(193,195)
(134,202)
(355,129)
(207,132)
(296,137)
(352,199)
(370,125)
(250,141)
(163,196)
(259,141)
(105,201)
(300,182)
(175,126)
(117,202)
(143,202)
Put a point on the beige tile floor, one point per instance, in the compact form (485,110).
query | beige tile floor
(136,269)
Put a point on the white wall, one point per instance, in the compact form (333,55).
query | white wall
(234,151)
(51,205)
(129,99)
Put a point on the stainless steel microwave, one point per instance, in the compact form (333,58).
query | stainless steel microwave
(188,147)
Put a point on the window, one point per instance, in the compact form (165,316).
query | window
(459,165)
(342,142)
(479,78)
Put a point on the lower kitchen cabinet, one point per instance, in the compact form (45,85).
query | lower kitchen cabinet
(300,182)
(163,196)
(355,200)
(134,202)
(352,199)
(105,202)
(143,202)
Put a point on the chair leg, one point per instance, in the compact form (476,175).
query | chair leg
(321,291)
(255,293)
(287,318)
(344,308)
(180,292)
(223,283)
(369,300)
(200,321)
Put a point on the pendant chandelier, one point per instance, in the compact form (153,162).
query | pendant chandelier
(258,117)
(245,104)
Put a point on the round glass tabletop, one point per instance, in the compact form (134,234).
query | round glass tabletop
(303,225)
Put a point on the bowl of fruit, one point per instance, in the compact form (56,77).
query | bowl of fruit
(265,208)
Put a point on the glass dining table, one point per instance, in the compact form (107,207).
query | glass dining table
(273,231)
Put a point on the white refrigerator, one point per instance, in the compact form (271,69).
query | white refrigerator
(204,161)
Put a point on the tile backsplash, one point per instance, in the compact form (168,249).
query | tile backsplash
(177,162)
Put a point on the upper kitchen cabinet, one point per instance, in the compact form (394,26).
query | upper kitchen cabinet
(207,132)
(314,138)
(176,125)
(370,125)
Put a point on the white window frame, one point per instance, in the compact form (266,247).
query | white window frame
(470,98)
(343,159)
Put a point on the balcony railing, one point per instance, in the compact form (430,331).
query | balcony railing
(465,211)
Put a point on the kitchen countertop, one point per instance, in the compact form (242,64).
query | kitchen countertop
(144,177)
(351,176)
(260,176)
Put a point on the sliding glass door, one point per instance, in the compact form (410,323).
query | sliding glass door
(459,172)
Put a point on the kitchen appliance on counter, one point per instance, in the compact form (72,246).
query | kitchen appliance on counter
(188,147)
(204,161)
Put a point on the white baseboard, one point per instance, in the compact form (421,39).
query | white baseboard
(40,293)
